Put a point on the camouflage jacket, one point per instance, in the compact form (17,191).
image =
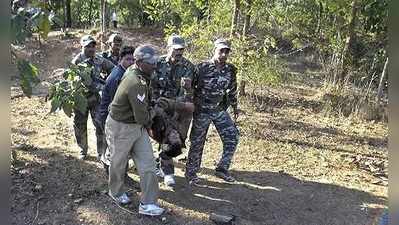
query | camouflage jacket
(100,65)
(173,81)
(108,55)
(214,90)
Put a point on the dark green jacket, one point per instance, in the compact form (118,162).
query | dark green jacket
(131,103)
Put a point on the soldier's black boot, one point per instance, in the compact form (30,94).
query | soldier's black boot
(225,175)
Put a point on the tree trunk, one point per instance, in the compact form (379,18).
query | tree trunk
(318,29)
(242,88)
(247,19)
(90,14)
(245,30)
(381,84)
(68,13)
(64,16)
(208,16)
(103,15)
(103,23)
(347,59)
(107,15)
(234,20)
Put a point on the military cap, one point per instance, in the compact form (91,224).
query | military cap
(146,53)
(114,38)
(221,43)
(86,40)
(176,42)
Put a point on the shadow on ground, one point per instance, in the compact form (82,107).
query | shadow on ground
(55,188)
(63,190)
(279,129)
(274,198)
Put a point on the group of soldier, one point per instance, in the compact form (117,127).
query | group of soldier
(135,95)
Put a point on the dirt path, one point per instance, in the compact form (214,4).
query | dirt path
(294,166)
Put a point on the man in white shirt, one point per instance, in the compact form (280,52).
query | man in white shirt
(115,19)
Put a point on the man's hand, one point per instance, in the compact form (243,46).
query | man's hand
(150,132)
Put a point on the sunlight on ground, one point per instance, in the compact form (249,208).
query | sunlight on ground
(90,213)
(213,199)
(259,186)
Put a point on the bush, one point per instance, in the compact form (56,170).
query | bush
(349,102)
(254,64)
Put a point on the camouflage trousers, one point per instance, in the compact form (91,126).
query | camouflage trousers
(166,162)
(80,128)
(227,131)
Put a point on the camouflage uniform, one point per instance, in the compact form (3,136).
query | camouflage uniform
(173,81)
(113,58)
(114,39)
(99,65)
(214,91)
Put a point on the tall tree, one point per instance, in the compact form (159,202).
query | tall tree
(234,19)
(247,20)
(103,16)
(347,54)
(107,14)
(381,84)
(68,13)
(90,13)
(318,29)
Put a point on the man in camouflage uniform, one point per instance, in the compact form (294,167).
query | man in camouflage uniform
(215,89)
(99,65)
(172,81)
(114,42)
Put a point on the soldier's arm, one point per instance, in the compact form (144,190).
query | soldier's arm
(170,105)
(187,83)
(196,75)
(167,104)
(232,89)
(155,86)
(76,59)
(138,98)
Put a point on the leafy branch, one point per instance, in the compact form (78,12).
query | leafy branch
(72,92)
(23,23)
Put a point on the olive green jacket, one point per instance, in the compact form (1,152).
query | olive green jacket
(131,103)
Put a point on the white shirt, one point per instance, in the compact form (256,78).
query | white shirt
(114,17)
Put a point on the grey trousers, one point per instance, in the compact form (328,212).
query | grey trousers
(124,139)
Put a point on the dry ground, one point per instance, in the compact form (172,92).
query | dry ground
(295,165)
